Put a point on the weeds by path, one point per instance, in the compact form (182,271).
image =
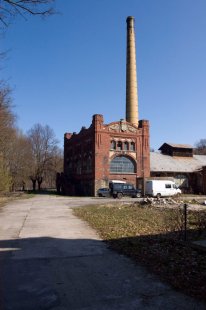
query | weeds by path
(153,237)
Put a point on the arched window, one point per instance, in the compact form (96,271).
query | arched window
(70,167)
(132,146)
(122,164)
(113,145)
(126,146)
(89,164)
(119,146)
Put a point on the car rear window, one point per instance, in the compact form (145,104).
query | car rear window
(117,186)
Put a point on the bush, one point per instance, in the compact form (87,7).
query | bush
(5,179)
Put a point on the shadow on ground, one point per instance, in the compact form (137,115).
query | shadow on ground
(54,273)
(51,191)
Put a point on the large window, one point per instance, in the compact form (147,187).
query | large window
(122,164)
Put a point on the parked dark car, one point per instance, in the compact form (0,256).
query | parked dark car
(118,190)
(104,192)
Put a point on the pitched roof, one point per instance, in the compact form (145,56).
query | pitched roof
(182,146)
(165,163)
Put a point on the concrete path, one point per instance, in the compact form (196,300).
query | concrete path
(52,260)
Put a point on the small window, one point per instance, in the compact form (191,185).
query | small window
(70,165)
(132,146)
(126,146)
(168,186)
(78,167)
(89,164)
(119,146)
(113,145)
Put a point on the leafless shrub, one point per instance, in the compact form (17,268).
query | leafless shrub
(174,221)
(198,221)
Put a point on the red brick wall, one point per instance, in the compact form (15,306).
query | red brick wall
(95,142)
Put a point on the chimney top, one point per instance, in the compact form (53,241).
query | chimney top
(130,21)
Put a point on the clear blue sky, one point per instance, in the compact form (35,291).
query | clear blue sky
(72,65)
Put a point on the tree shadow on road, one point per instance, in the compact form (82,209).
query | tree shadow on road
(50,191)
(50,273)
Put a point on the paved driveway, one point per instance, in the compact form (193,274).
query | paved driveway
(52,260)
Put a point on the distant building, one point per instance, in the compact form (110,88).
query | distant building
(178,162)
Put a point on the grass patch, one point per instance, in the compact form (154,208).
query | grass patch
(153,237)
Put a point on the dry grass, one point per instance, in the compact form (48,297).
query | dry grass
(153,237)
(3,200)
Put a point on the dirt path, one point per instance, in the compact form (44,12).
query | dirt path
(52,260)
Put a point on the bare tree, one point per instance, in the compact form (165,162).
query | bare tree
(56,166)
(7,118)
(44,148)
(20,160)
(35,157)
(10,8)
(14,148)
(5,178)
(7,122)
(200,147)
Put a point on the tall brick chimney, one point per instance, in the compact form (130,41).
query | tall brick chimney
(131,78)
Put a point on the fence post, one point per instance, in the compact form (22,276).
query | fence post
(185,222)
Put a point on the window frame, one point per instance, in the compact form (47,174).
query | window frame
(122,165)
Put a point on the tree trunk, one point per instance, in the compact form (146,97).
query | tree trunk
(39,180)
(33,184)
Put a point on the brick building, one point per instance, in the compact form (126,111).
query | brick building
(116,151)
(104,152)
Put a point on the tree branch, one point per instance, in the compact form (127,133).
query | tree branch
(12,8)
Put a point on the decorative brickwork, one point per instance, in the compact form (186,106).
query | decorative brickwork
(88,155)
